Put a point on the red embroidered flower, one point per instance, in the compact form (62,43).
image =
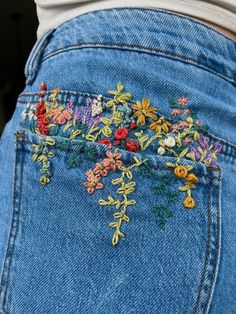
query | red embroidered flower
(39,110)
(105,141)
(133,125)
(121,133)
(132,146)
(117,142)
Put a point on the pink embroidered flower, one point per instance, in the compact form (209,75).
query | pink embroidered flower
(175,112)
(92,182)
(183,101)
(183,124)
(186,111)
(175,128)
(60,116)
(187,140)
(100,169)
(113,161)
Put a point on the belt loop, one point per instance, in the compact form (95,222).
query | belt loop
(35,55)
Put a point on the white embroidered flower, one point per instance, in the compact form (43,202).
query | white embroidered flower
(28,113)
(161,151)
(24,115)
(169,141)
(97,106)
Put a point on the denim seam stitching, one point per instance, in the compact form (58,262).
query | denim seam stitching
(140,49)
(19,163)
(201,294)
(100,155)
(218,248)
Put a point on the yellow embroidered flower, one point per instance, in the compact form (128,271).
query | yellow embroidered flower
(191,179)
(144,110)
(189,202)
(180,172)
(160,124)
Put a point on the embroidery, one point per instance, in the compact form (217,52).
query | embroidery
(122,124)
(127,187)
(42,155)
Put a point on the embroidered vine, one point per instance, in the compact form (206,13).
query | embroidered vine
(126,188)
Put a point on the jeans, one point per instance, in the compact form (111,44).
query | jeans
(118,170)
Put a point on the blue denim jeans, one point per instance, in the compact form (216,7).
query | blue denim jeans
(118,173)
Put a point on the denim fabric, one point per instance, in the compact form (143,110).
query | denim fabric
(57,254)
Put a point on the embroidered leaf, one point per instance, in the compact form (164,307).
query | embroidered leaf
(74,159)
(64,146)
(113,224)
(91,153)
(162,215)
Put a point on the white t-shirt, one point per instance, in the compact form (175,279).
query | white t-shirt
(52,13)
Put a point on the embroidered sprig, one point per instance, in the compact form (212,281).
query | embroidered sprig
(42,154)
(127,187)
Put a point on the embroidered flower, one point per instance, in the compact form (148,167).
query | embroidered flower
(40,110)
(132,146)
(161,151)
(195,154)
(183,101)
(28,113)
(121,133)
(175,112)
(100,169)
(160,124)
(187,140)
(186,111)
(144,110)
(92,182)
(97,106)
(133,125)
(113,161)
(105,141)
(189,202)
(191,179)
(180,172)
(43,125)
(60,115)
(169,141)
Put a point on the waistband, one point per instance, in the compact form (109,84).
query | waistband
(151,31)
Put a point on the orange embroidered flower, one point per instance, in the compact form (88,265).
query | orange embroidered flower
(92,182)
(60,115)
(180,172)
(113,161)
(189,202)
(160,124)
(144,110)
(191,179)
(183,101)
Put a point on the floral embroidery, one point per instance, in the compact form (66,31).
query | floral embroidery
(144,110)
(122,124)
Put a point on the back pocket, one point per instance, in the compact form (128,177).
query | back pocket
(103,224)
